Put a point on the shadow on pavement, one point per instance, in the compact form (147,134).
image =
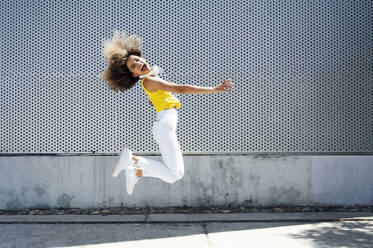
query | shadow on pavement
(350,234)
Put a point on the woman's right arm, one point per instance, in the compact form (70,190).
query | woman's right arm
(156,83)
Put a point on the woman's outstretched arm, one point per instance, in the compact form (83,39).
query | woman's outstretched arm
(155,83)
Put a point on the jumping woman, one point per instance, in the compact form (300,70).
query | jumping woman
(126,66)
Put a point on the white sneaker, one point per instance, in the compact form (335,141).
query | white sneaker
(124,161)
(131,178)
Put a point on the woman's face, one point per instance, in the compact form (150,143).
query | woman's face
(137,66)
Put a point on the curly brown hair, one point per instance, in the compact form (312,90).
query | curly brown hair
(117,51)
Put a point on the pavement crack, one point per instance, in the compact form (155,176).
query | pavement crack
(204,226)
(146,217)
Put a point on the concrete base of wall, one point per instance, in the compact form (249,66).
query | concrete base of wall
(86,182)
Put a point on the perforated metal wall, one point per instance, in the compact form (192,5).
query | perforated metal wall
(302,72)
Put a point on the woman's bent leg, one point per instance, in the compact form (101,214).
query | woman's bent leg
(155,168)
(173,167)
(171,152)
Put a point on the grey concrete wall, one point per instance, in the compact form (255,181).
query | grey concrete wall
(86,182)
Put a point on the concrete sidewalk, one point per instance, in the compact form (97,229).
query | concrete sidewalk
(325,229)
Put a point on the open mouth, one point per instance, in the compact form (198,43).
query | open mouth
(143,68)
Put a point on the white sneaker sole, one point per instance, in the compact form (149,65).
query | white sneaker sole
(124,161)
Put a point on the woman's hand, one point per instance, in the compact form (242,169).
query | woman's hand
(224,86)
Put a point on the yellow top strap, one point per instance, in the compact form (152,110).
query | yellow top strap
(142,84)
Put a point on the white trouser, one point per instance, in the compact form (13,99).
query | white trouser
(164,132)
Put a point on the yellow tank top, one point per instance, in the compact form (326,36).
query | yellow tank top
(161,99)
